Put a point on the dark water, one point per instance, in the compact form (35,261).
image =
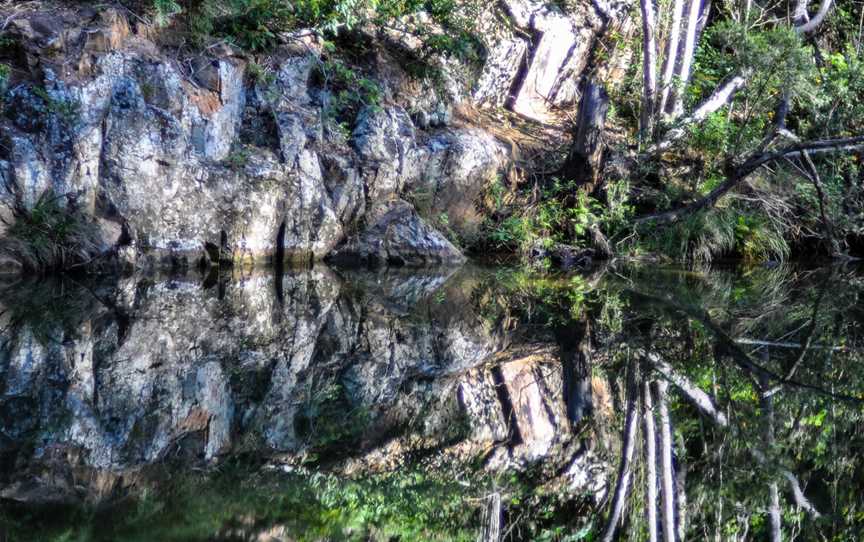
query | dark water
(631,403)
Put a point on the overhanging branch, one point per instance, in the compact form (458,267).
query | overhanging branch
(750,165)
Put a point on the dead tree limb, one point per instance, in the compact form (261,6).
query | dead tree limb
(817,19)
(701,400)
(750,165)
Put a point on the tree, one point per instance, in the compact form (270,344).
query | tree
(768,57)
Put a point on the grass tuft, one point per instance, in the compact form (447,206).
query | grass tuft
(51,237)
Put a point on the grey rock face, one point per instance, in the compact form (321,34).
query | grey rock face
(458,164)
(385,139)
(194,163)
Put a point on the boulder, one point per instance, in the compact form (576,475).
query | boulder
(398,236)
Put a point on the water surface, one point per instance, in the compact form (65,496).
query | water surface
(492,403)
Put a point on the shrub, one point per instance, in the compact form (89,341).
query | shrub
(349,91)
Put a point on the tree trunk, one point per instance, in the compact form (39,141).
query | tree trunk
(586,155)
(688,51)
(667,473)
(701,400)
(491,530)
(671,55)
(817,19)
(649,67)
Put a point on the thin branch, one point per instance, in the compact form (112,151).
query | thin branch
(750,165)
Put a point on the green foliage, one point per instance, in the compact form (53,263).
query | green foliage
(68,110)
(727,231)
(238,157)
(164,10)
(349,91)
(5,73)
(255,25)
(329,422)
(239,502)
(260,74)
(563,214)
(49,236)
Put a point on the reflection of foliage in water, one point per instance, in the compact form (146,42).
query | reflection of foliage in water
(330,422)
(777,350)
(48,308)
(241,503)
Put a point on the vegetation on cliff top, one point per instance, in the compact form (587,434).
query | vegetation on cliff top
(739,134)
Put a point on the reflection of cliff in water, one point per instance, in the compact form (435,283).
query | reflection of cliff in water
(111,376)
(509,403)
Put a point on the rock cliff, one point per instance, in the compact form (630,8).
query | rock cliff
(189,159)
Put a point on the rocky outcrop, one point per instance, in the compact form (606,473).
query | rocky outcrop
(397,236)
(192,161)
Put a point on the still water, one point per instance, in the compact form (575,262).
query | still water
(480,403)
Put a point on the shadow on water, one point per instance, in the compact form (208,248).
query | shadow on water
(482,403)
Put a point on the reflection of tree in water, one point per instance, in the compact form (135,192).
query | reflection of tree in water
(627,403)
(740,395)
(773,372)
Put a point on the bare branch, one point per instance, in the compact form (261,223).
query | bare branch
(817,19)
(719,98)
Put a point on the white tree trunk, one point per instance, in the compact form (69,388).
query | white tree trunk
(622,486)
(650,462)
(817,19)
(688,51)
(701,400)
(667,483)
(671,55)
(649,66)
(800,16)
